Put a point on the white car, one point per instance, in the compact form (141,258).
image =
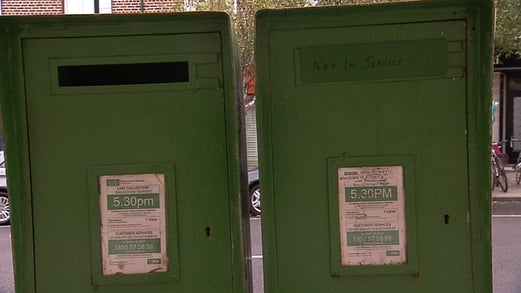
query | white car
(5,209)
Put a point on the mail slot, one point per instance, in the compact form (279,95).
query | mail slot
(124,155)
(373,139)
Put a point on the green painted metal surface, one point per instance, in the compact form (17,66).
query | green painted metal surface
(89,100)
(374,144)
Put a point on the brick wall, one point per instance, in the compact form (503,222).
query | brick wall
(28,7)
(146,6)
(31,7)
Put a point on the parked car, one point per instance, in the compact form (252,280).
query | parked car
(5,209)
(255,194)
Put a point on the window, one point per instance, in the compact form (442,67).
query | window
(87,6)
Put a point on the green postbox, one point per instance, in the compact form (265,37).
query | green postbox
(374,131)
(123,148)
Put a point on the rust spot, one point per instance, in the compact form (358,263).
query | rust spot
(417,274)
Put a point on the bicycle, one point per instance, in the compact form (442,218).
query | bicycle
(499,176)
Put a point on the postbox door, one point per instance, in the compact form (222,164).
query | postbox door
(385,105)
(146,111)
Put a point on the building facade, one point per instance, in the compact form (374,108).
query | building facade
(506,107)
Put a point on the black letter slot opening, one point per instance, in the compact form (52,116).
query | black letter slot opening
(123,74)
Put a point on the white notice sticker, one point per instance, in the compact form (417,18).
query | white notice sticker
(133,224)
(372,215)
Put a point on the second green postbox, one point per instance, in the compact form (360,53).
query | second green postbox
(123,148)
(373,125)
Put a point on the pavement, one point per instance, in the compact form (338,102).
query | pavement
(514,190)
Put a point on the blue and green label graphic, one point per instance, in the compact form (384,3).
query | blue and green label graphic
(135,246)
(371,238)
(133,201)
(371,193)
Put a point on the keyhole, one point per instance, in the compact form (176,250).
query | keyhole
(446,219)
(208,232)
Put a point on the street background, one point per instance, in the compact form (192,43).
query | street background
(6,263)
(506,236)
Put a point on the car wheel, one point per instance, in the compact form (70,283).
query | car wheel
(255,200)
(5,209)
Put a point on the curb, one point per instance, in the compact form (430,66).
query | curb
(506,198)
